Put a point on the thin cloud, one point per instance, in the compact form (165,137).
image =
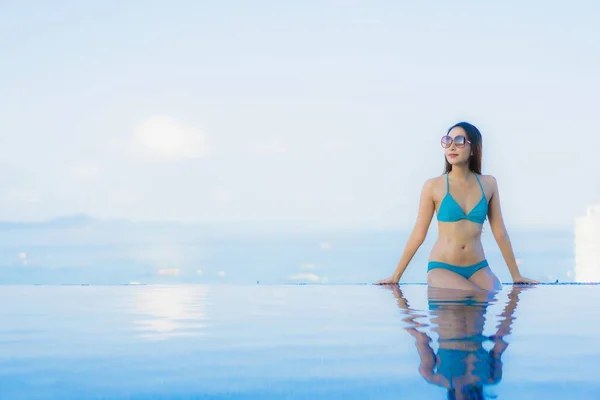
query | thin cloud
(160,138)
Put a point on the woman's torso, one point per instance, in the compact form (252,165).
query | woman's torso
(459,242)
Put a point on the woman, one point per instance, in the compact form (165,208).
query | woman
(457,260)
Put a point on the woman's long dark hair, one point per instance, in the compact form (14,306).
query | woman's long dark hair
(474,137)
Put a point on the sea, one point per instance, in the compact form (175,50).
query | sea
(117,256)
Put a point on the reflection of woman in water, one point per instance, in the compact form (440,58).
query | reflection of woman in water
(462,365)
(462,199)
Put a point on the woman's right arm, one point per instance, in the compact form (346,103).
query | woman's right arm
(418,234)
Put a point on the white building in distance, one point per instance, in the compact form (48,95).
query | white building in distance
(587,246)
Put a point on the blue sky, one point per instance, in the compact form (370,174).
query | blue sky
(328,113)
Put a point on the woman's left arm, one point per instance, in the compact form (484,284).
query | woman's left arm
(501,235)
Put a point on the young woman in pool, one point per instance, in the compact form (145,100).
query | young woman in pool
(457,259)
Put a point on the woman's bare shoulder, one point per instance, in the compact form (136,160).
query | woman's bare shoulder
(488,178)
(435,184)
(435,180)
(489,181)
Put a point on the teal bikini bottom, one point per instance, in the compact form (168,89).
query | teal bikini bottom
(465,272)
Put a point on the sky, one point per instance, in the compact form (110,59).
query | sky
(327,113)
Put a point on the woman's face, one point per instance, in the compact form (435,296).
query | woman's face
(457,147)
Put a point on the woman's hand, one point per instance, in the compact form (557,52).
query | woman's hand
(522,280)
(388,281)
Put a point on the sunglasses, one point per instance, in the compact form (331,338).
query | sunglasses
(460,141)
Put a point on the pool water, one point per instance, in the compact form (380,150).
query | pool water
(298,342)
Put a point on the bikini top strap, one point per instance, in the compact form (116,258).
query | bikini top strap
(447,184)
(480,185)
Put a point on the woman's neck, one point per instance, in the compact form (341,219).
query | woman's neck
(460,172)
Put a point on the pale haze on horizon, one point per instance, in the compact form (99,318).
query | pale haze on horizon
(326,113)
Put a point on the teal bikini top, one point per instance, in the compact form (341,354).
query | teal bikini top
(450,210)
